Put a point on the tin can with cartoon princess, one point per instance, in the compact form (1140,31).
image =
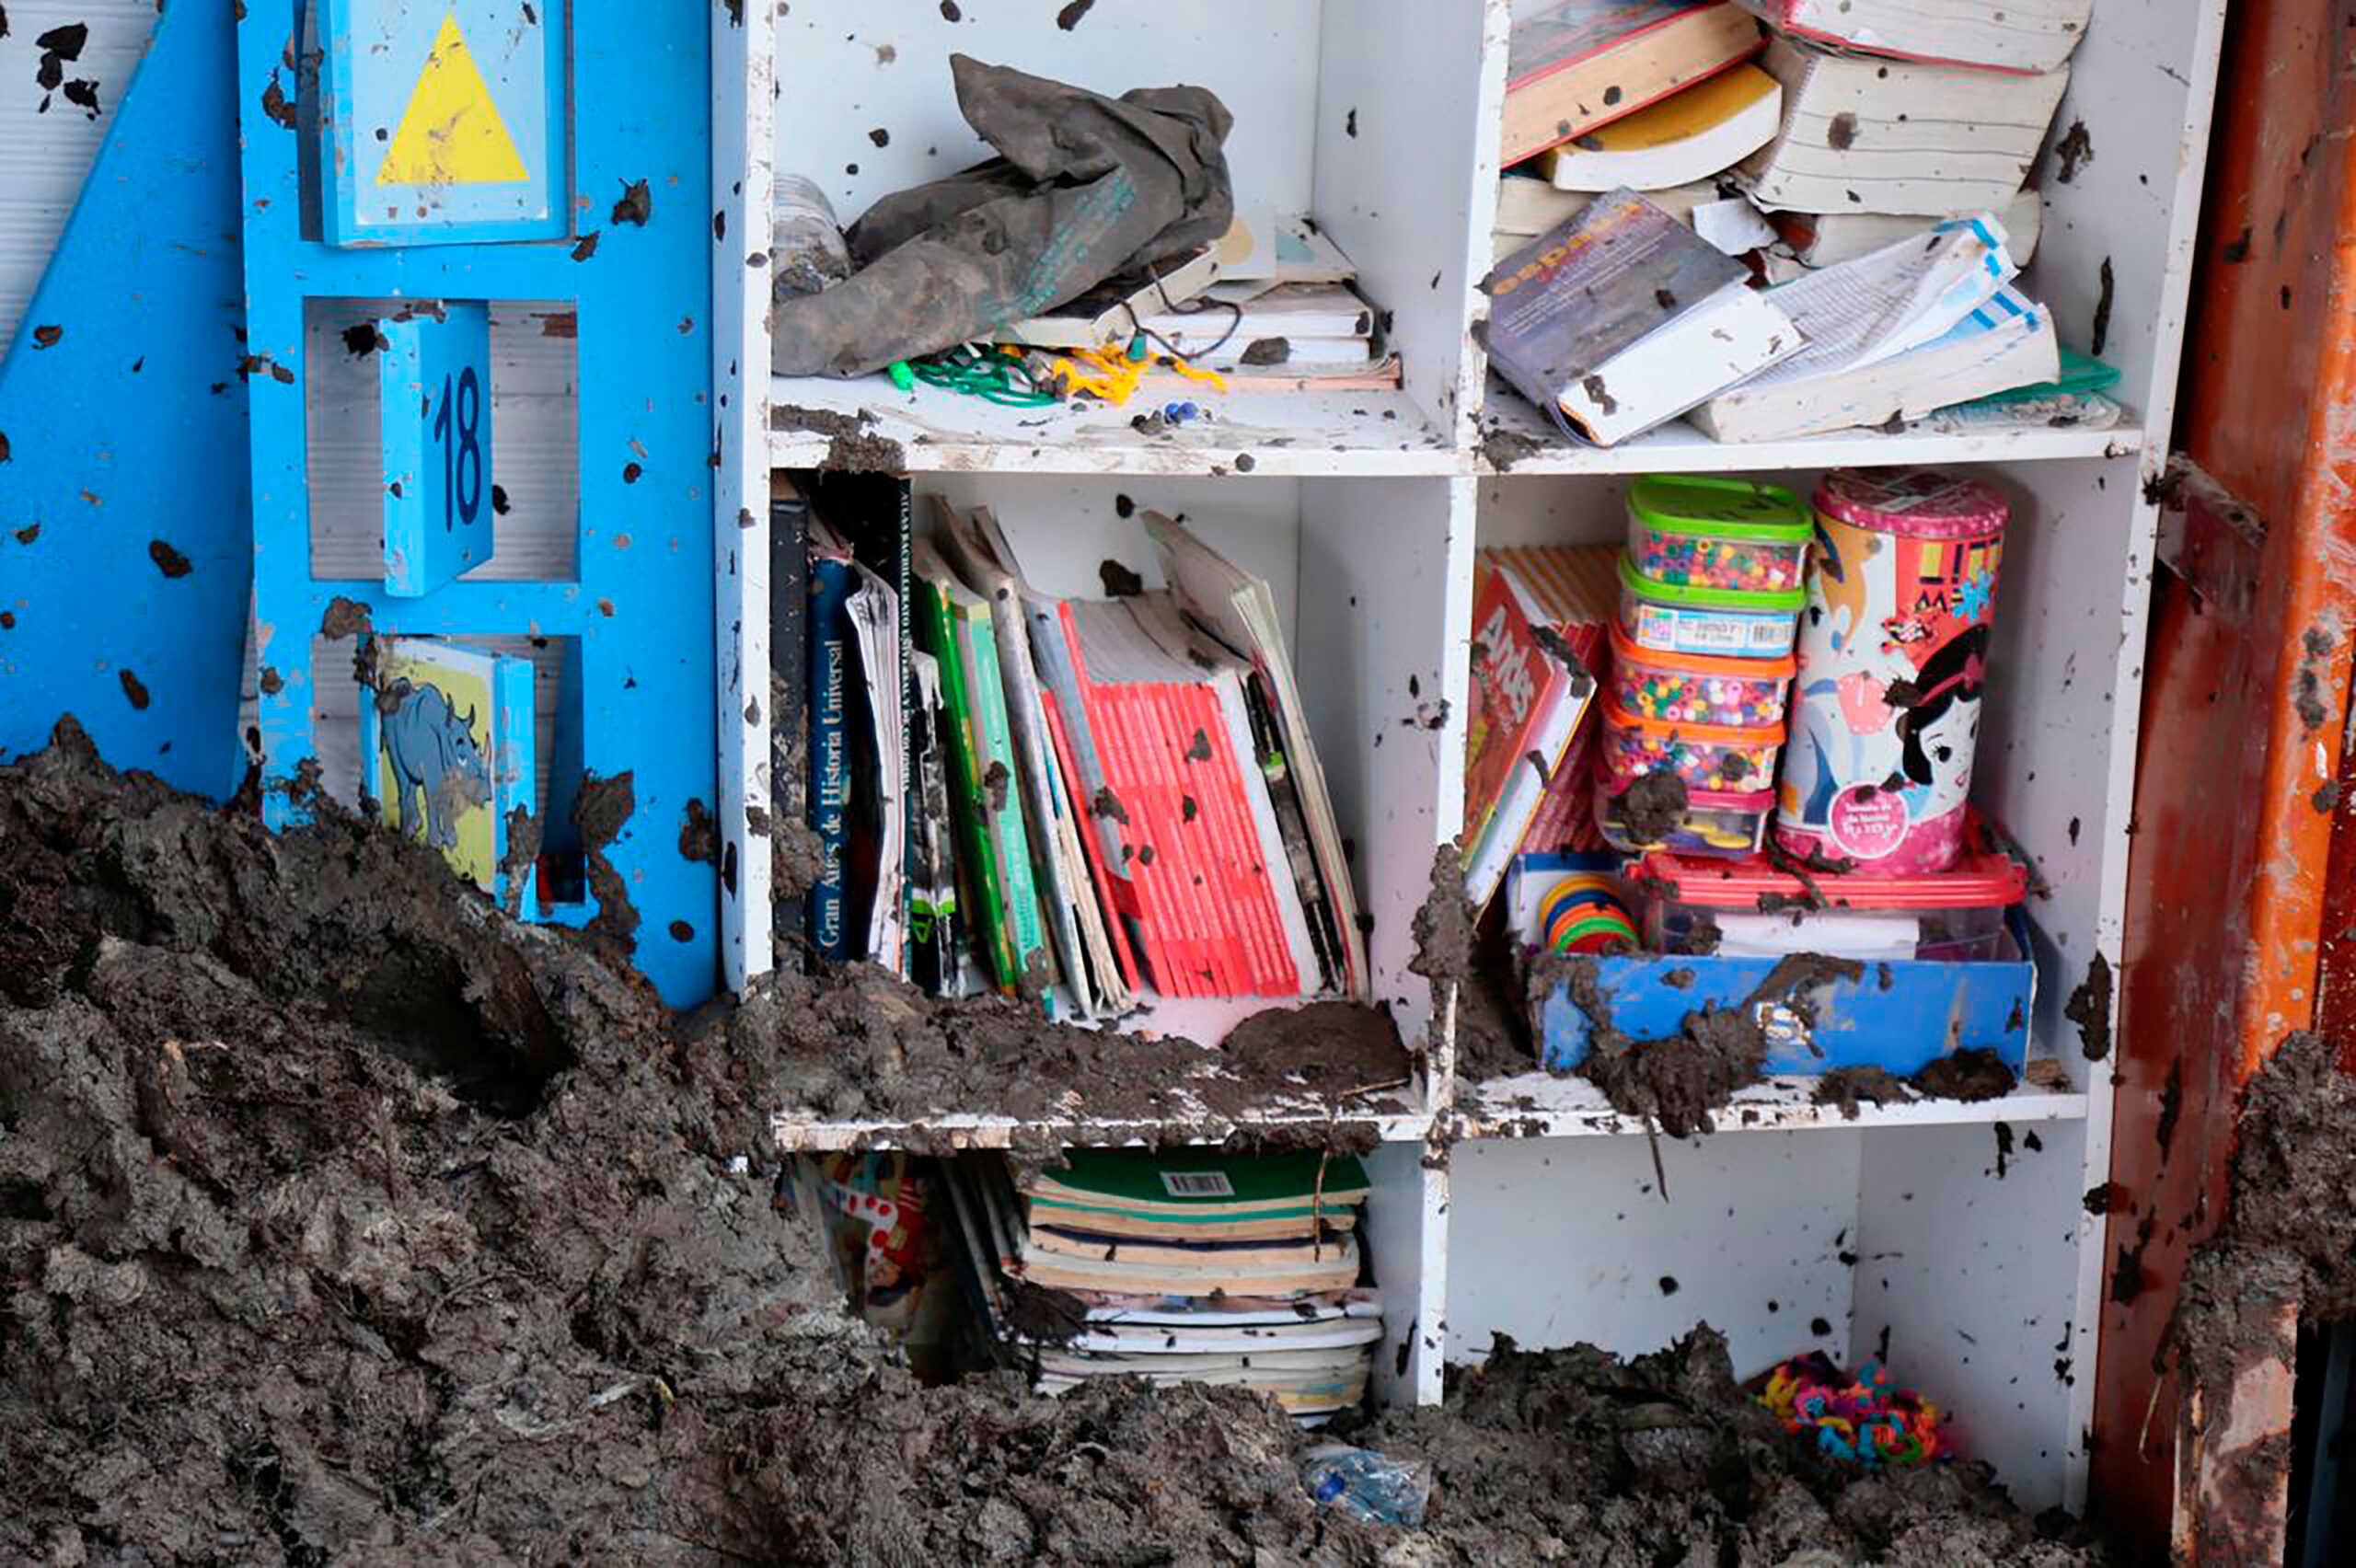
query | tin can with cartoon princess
(1893,646)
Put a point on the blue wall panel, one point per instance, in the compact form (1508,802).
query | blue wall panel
(637,266)
(125,535)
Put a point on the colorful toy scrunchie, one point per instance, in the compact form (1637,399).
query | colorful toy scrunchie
(1866,1421)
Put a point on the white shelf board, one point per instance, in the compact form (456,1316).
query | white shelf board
(1298,433)
(1541,1105)
(1391,1121)
(1679,447)
(1396,1114)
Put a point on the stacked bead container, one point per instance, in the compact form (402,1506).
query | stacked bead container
(1698,688)
(1701,531)
(1702,657)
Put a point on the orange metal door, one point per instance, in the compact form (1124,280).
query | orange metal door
(2245,708)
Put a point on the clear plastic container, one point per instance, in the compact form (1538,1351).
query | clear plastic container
(1699,688)
(1714,822)
(1706,756)
(1701,531)
(1951,916)
(1669,619)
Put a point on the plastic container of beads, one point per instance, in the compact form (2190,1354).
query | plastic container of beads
(1698,688)
(1714,822)
(1669,619)
(1706,756)
(1702,530)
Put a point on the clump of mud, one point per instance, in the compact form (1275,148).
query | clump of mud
(342,1218)
(1575,1455)
(856,1043)
(2285,1250)
(1679,1082)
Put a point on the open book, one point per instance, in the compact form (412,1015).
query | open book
(1911,327)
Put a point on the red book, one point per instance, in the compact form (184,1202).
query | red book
(1192,862)
(1242,855)
(1158,926)
(1570,588)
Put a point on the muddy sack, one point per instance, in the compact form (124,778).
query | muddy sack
(1085,188)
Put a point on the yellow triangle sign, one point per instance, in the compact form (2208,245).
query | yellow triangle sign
(451,132)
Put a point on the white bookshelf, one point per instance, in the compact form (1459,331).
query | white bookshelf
(1526,1205)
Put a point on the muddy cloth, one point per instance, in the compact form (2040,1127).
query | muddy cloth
(1086,187)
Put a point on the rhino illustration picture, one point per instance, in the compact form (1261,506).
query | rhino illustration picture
(438,771)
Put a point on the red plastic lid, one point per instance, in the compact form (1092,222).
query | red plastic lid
(1920,502)
(1977,880)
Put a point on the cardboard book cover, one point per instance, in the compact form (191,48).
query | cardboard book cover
(446,749)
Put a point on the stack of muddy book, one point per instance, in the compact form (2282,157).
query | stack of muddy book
(1870,160)
(1181,1265)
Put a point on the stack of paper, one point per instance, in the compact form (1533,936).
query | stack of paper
(1188,1265)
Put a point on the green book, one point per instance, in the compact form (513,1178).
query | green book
(954,626)
(2080,374)
(1202,1183)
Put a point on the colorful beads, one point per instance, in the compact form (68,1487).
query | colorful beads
(1693,560)
(1705,757)
(1688,697)
(1867,1420)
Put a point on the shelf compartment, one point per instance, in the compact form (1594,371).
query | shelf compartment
(1541,1105)
(1519,439)
(1298,433)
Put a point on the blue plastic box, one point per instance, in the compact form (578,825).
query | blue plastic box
(1900,1015)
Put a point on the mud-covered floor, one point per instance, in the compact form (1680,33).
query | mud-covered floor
(343,1219)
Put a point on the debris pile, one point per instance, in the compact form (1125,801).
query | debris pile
(341,1215)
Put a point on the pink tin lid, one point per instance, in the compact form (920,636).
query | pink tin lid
(1920,503)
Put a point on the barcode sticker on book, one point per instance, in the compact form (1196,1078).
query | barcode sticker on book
(1197,1185)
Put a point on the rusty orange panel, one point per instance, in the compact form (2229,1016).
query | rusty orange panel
(2243,719)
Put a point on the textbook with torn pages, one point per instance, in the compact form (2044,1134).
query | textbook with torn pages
(2016,34)
(1576,65)
(1864,135)
(1893,335)
(1177,1265)
(1623,318)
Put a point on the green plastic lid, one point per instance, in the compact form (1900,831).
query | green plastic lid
(1718,508)
(1786,602)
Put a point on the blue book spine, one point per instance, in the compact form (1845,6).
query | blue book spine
(831,653)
